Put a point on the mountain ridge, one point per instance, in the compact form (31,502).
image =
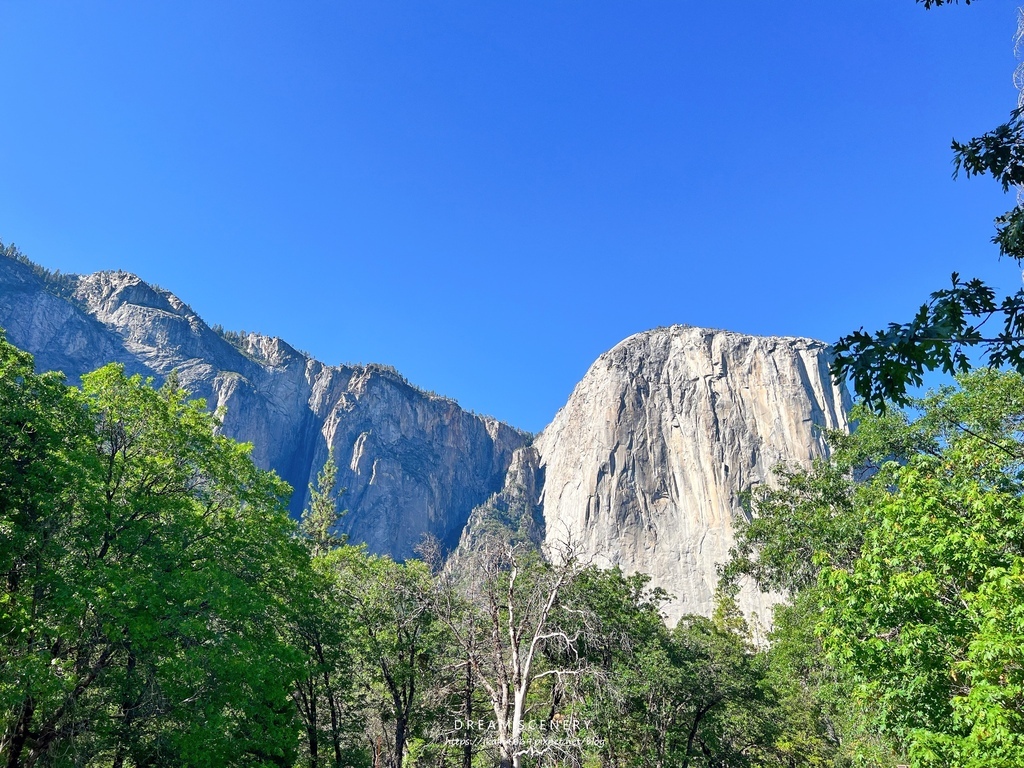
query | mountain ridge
(644,465)
(291,407)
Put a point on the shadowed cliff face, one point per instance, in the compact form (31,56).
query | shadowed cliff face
(413,463)
(646,462)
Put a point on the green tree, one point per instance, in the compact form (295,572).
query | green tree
(321,518)
(928,618)
(805,522)
(148,565)
(621,618)
(324,626)
(45,448)
(694,695)
(398,640)
(905,631)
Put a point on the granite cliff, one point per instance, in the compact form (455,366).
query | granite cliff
(643,467)
(413,463)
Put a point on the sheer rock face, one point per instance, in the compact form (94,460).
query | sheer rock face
(646,462)
(412,463)
(644,466)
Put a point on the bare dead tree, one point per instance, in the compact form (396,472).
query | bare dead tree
(501,611)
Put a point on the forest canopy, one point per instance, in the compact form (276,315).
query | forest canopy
(160,608)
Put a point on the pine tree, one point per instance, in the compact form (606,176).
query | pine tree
(321,518)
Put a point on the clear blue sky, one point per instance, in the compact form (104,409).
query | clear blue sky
(488,195)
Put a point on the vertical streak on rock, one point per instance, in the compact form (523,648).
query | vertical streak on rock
(706,415)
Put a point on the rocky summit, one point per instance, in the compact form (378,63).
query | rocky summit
(643,468)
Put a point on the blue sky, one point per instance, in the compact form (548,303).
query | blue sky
(489,195)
